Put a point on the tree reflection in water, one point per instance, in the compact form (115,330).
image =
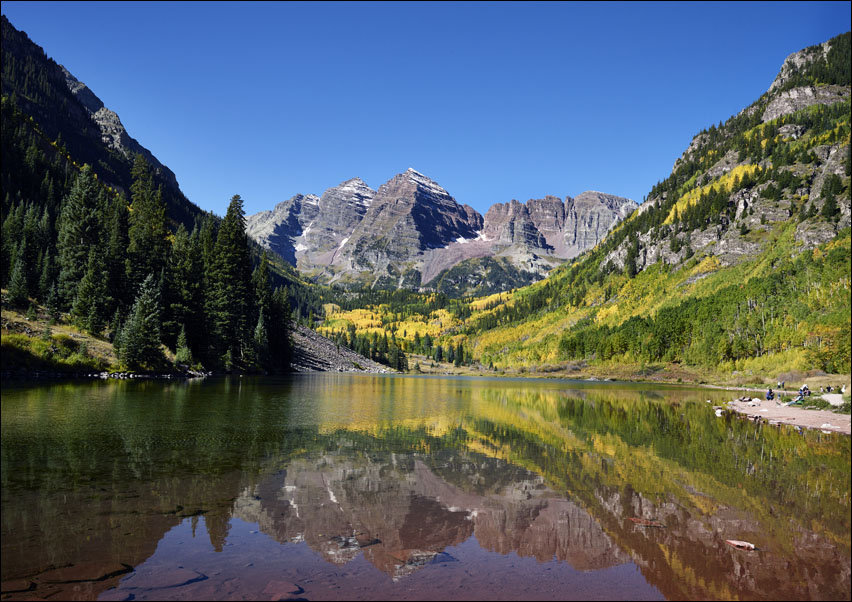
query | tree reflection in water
(397,470)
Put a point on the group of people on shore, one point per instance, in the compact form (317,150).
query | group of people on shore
(804,391)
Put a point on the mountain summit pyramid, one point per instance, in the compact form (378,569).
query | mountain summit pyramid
(412,233)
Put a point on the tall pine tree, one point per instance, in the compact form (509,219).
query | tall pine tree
(232,302)
(92,303)
(79,231)
(182,303)
(138,343)
(147,232)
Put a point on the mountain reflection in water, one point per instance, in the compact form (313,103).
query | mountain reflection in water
(402,473)
(404,510)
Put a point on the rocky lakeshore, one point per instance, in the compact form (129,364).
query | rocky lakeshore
(104,375)
(774,412)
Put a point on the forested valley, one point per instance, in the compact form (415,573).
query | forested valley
(738,260)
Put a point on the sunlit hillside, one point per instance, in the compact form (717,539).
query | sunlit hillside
(738,261)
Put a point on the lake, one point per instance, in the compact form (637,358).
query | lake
(334,486)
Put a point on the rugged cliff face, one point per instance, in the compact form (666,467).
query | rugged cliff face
(510,223)
(410,214)
(113,134)
(412,233)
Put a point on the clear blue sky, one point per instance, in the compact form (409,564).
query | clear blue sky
(494,101)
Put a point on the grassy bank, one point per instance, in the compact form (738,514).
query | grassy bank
(35,343)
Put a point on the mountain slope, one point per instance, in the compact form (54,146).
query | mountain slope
(112,262)
(739,261)
(741,257)
(69,113)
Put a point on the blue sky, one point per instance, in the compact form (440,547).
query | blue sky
(493,100)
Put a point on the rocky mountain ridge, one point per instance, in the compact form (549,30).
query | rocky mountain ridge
(796,176)
(113,133)
(77,123)
(411,232)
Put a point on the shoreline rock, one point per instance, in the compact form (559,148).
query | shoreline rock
(105,375)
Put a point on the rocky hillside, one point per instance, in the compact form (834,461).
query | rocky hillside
(313,352)
(412,233)
(737,265)
(113,134)
(762,167)
(71,115)
(739,256)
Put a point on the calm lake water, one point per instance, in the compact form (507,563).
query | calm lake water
(333,486)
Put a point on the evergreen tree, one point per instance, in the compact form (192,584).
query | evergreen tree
(116,254)
(7,247)
(139,341)
(393,356)
(261,285)
(115,328)
(402,361)
(53,304)
(832,186)
(32,248)
(79,231)
(47,275)
(183,355)
(261,342)
(18,294)
(147,232)
(231,296)
(182,295)
(91,304)
(279,331)
(830,209)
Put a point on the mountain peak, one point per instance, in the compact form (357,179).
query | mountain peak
(426,184)
(353,184)
(354,190)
